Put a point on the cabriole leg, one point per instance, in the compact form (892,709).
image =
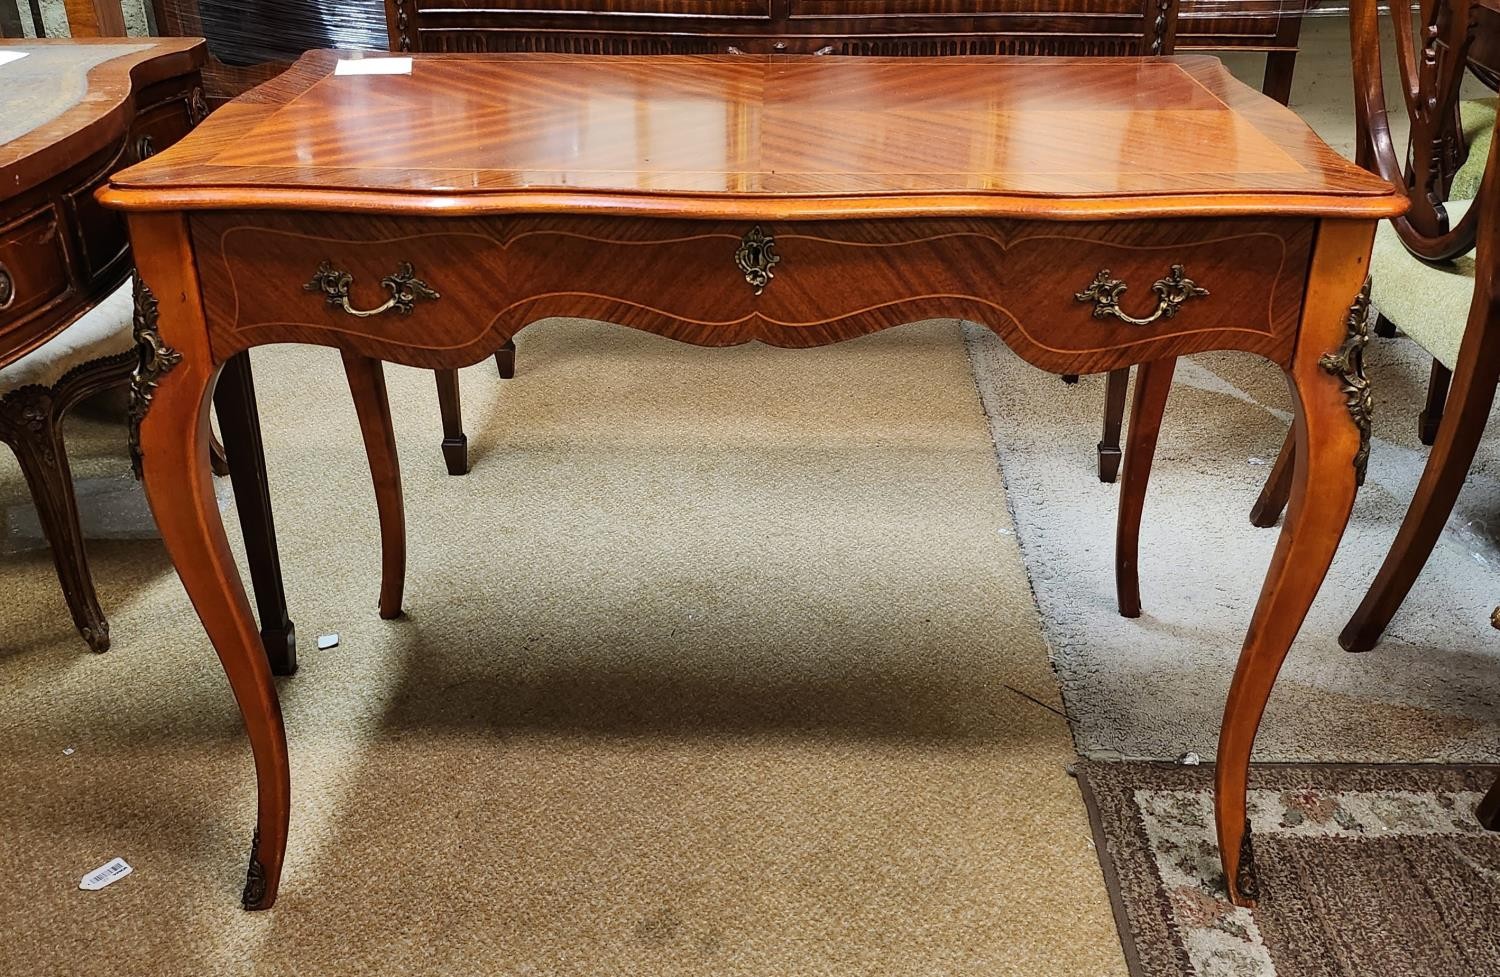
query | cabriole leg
(169,413)
(31,422)
(1331,401)
(1278,487)
(367,386)
(1153,383)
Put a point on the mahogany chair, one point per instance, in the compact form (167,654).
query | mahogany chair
(1455,33)
(1432,75)
(1460,250)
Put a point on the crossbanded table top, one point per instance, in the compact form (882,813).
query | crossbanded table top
(820,134)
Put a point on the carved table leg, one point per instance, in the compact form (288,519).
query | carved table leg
(455,442)
(170,430)
(1328,390)
(1114,415)
(234,402)
(505,360)
(1447,467)
(31,422)
(1153,383)
(1278,487)
(367,386)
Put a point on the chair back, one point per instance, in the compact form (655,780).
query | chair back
(1432,50)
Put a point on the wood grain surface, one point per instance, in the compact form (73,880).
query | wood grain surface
(786,137)
(836,280)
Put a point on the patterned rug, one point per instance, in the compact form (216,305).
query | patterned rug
(1365,870)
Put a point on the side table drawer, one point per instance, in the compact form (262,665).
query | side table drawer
(33,264)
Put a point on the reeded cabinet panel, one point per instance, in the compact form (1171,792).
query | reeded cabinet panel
(958,8)
(870,27)
(680,8)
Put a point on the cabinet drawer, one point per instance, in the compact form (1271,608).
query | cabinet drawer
(33,265)
(697,281)
(101,234)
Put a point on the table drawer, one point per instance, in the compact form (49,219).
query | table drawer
(454,290)
(490,277)
(33,265)
(1036,282)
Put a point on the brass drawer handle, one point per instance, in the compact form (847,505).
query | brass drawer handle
(756,257)
(405,288)
(7,287)
(1171,292)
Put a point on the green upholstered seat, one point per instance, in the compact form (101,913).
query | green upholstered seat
(1479,129)
(1430,303)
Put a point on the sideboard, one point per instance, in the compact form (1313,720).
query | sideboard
(871,27)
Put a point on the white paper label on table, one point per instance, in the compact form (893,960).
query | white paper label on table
(6,57)
(111,871)
(373,66)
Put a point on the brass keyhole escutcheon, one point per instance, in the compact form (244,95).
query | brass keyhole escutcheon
(756,257)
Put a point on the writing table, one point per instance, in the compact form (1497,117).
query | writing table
(1095,213)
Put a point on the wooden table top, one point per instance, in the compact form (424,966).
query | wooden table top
(764,136)
(68,98)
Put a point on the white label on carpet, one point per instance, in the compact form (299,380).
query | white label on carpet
(326,641)
(110,871)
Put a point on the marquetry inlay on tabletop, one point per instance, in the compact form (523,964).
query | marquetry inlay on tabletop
(777,125)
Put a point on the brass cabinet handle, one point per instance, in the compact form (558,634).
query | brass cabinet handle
(756,257)
(1171,292)
(405,288)
(7,287)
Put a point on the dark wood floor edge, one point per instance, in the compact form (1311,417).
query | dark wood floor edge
(1107,866)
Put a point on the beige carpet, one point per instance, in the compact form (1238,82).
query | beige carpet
(719,662)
